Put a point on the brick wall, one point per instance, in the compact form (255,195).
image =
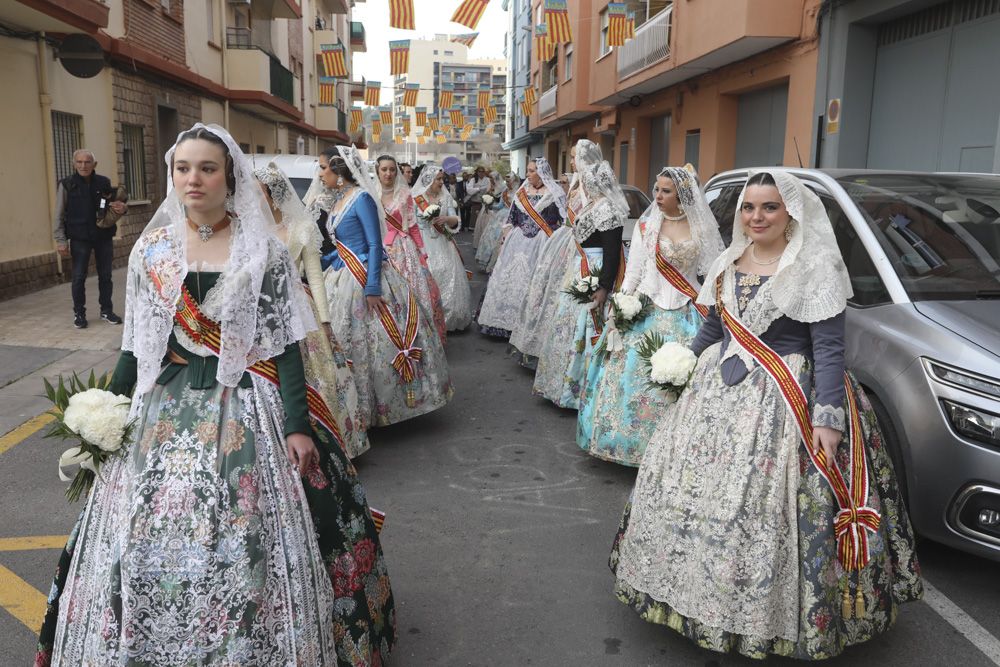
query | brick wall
(150,25)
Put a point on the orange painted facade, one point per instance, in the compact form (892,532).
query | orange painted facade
(714,51)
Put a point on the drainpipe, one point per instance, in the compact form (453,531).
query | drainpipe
(45,108)
(224,22)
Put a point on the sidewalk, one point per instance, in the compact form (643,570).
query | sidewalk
(38,340)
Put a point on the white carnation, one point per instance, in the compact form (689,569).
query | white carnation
(672,364)
(592,282)
(98,417)
(488,200)
(628,305)
(432,211)
(581,285)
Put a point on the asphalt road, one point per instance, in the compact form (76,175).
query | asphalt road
(497,538)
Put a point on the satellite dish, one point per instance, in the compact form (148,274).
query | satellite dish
(81,55)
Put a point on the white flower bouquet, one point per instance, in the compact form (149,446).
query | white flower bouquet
(431,212)
(583,289)
(627,310)
(669,364)
(489,200)
(96,419)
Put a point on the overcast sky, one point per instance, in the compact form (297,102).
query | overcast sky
(432,17)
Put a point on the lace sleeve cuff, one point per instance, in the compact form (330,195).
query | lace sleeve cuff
(829,416)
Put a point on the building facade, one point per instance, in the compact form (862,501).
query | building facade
(249,66)
(689,87)
(893,70)
(522,140)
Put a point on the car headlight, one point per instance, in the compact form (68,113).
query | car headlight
(974,423)
(962,380)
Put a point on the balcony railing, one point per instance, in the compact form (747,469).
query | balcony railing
(547,103)
(650,45)
(281,81)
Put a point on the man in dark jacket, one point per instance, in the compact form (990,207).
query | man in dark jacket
(82,200)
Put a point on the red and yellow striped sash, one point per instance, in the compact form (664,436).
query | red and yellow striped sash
(854,519)
(619,278)
(206,332)
(678,282)
(522,197)
(407,355)
(395,222)
(571,216)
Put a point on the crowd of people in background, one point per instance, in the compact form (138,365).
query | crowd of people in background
(265,335)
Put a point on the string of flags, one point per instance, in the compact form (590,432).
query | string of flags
(545,47)
(469,13)
(410,93)
(467,40)
(373,90)
(399,56)
(557,20)
(334,60)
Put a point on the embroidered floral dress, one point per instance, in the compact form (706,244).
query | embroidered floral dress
(202,545)
(619,410)
(388,394)
(729,537)
(489,242)
(446,265)
(515,265)
(405,245)
(569,335)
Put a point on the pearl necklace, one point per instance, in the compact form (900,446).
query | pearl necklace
(753,256)
(675,218)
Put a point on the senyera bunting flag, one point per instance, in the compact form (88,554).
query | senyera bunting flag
(617,24)
(422,116)
(401,14)
(385,114)
(530,96)
(526,107)
(447,96)
(407,125)
(373,90)
(334,62)
(357,115)
(490,114)
(327,91)
(457,117)
(483,98)
(469,13)
(544,47)
(410,94)
(441,138)
(399,56)
(467,39)
(557,19)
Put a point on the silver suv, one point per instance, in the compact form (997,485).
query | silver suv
(923,331)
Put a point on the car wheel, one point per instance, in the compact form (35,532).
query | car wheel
(891,440)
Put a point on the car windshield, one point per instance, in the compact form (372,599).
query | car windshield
(940,232)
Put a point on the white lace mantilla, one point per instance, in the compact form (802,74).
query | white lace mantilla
(599,216)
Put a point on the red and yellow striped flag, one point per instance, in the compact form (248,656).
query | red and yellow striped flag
(468,39)
(544,46)
(427,130)
(327,91)
(422,116)
(421,140)
(399,138)
(399,57)
(334,63)
(530,96)
(385,114)
(447,96)
(557,19)
(466,132)
(373,90)
(376,137)
(441,138)
(356,117)
(483,98)
(617,24)
(630,26)
(376,126)
(469,13)
(435,123)
(410,94)
(407,127)
(457,117)
(526,107)
(490,114)
(401,14)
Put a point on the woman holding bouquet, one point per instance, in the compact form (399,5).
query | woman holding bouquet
(231,530)
(398,359)
(404,243)
(765,517)
(675,240)
(323,358)
(570,332)
(539,209)
(438,217)
(489,244)
(560,260)
(493,185)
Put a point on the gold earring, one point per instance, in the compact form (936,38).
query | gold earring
(789,230)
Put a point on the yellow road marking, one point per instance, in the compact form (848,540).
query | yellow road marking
(33,542)
(24,431)
(22,600)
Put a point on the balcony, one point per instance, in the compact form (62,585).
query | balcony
(331,118)
(276,9)
(650,45)
(334,6)
(251,68)
(358,37)
(56,16)
(547,104)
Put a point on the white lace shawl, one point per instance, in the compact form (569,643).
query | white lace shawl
(811,283)
(259,313)
(586,154)
(402,200)
(606,207)
(553,191)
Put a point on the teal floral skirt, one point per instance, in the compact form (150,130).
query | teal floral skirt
(202,545)
(728,538)
(618,408)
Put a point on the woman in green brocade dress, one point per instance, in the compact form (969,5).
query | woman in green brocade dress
(232,530)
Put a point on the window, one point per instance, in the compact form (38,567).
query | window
(869,290)
(449,53)
(134,161)
(568,62)
(67,136)
(244,147)
(605,49)
(723,201)
(435,51)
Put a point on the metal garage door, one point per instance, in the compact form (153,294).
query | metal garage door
(760,127)
(936,105)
